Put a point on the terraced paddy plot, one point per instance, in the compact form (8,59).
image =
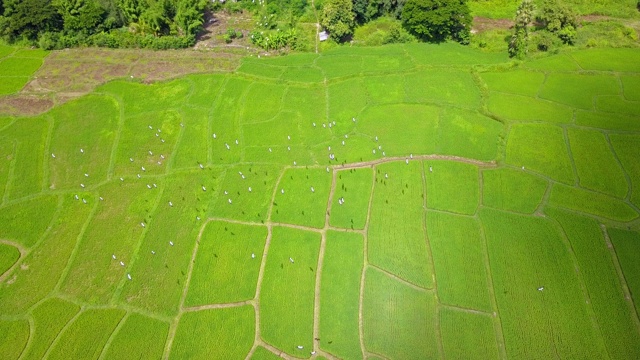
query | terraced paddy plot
(397,131)
(512,190)
(614,315)
(301,197)
(17,67)
(608,121)
(287,292)
(452,186)
(347,99)
(519,82)
(626,244)
(389,309)
(263,354)
(631,87)
(385,89)
(227,264)
(560,62)
(458,257)
(624,60)
(549,157)
(560,88)
(160,263)
(8,256)
(245,193)
(596,167)
(627,149)
(140,337)
(442,87)
(87,334)
(192,148)
(467,134)
(225,122)
(205,89)
(261,102)
(537,290)
(43,267)
(340,66)
(138,98)
(37,212)
(15,334)
(616,104)
(528,109)
(49,318)
(80,149)
(350,202)
(590,202)
(396,237)
(339,294)
(476,339)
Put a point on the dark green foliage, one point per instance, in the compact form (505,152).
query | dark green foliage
(338,18)
(79,15)
(438,20)
(559,19)
(520,39)
(27,18)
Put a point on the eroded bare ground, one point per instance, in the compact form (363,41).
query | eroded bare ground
(71,73)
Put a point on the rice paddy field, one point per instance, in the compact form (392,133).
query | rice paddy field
(398,202)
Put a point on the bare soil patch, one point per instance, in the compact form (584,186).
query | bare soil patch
(24,105)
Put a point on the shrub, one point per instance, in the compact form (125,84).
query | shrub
(338,18)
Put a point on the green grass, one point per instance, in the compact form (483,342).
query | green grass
(468,134)
(139,98)
(87,334)
(521,82)
(233,328)
(15,335)
(452,186)
(46,262)
(559,62)
(261,102)
(49,318)
(558,88)
(494,9)
(389,310)
(12,84)
(527,253)
(94,134)
(396,237)
(347,99)
(591,203)
(389,89)
(451,54)
(626,244)
(295,201)
(512,190)
(616,104)
(354,186)
(549,155)
(287,296)
(193,144)
(607,121)
(37,212)
(339,66)
(158,279)
(303,74)
(442,87)
(603,284)
(264,354)
(140,337)
(19,66)
(259,68)
(524,108)
(8,256)
(340,293)
(224,269)
(205,89)
(596,166)
(225,122)
(458,257)
(631,87)
(627,149)
(623,60)
(476,339)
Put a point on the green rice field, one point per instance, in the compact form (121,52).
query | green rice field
(398,202)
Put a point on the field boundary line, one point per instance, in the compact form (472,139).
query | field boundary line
(46,176)
(497,321)
(210,112)
(10,173)
(32,331)
(173,325)
(567,142)
(627,178)
(21,248)
(116,139)
(623,281)
(62,331)
(114,333)
(401,280)
(217,306)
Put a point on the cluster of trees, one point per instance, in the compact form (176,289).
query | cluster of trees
(79,20)
(428,20)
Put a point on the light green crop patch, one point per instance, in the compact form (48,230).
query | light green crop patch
(535,283)
(261,102)
(468,134)
(259,68)
(389,89)
(37,212)
(631,87)
(458,257)
(347,99)
(87,334)
(338,66)
(525,108)
(627,148)
(596,167)
(225,122)
(15,334)
(521,82)
(562,88)
(49,319)
(389,309)
(512,190)
(302,197)
(339,294)
(626,246)
(231,329)
(396,237)
(227,264)
(590,202)
(18,66)
(467,336)
(616,104)
(443,87)
(609,121)
(287,293)
(452,186)
(140,337)
(350,203)
(8,256)
(627,60)
(560,62)
(541,148)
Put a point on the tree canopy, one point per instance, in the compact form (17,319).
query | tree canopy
(438,20)
(338,18)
